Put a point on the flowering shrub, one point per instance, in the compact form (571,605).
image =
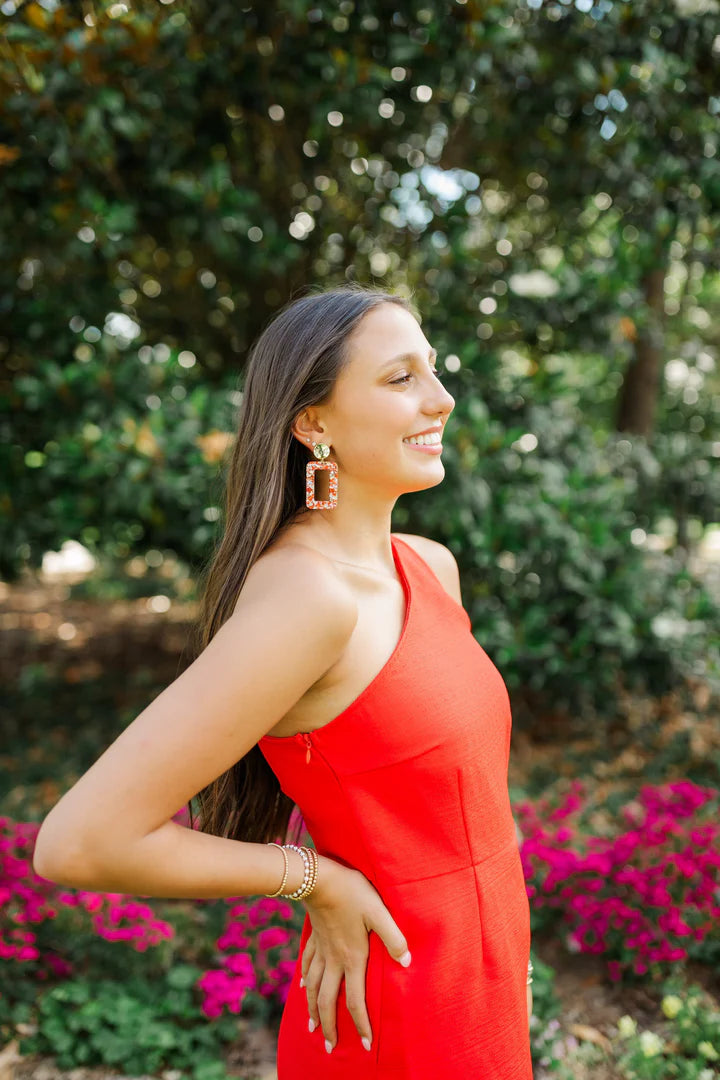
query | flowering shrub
(43,927)
(259,943)
(644,897)
(28,900)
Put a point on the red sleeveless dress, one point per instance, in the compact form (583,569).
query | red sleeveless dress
(409,785)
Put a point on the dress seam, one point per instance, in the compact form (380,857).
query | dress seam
(458,778)
(457,869)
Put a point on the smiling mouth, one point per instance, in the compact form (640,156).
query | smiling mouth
(434,439)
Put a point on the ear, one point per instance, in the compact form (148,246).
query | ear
(308,429)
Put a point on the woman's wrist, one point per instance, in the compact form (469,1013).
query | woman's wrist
(287,873)
(296,876)
(326,885)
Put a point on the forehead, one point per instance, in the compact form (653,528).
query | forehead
(384,332)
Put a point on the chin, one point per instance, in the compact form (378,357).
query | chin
(428,482)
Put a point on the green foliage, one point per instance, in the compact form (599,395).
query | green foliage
(136,1026)
(687,1047)
(172,174)
(546,526)
(131,458)
(544,1021)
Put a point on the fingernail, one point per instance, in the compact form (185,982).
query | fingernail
(302,981)
(405,959)
(328,1046)
(366,1042)
(311,1024)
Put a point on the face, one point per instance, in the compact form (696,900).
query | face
(387,392)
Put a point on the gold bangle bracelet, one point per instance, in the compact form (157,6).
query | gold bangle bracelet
(287,869)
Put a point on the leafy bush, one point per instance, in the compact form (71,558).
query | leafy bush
(544,1022)
(557,575)
(139,1026)
(687,1049)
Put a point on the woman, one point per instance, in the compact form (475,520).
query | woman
(338,672)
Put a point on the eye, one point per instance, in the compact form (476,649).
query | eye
(404,378)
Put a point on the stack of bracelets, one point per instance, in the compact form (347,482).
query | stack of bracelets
(311,862)
(530,971)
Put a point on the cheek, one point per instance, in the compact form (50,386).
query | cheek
(377,449)
(375,431)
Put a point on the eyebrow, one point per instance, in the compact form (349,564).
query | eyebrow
(408,356)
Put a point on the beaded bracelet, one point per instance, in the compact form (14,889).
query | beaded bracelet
(310,860)
(530,971)
(311,863)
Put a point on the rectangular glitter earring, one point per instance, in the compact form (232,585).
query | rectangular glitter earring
(321,450)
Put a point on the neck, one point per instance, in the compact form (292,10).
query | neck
(354,532)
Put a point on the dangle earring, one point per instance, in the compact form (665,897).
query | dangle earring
(320,450)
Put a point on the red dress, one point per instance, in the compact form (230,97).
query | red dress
(409,785)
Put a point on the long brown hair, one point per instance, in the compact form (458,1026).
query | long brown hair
(293,364)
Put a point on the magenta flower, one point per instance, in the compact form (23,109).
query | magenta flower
(638,896)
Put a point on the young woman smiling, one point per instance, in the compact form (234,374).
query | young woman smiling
(336,671)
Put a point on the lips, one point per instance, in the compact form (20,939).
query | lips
(427,431)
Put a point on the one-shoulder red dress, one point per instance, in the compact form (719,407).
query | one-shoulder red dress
(408,784)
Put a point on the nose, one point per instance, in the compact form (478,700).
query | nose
(445,402)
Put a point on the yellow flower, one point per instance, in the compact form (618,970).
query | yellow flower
(708,1050)
(651,1044)
(626,1026)
(671,1005)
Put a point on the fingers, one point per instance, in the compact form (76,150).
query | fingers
(308,953)
(313,979)
(322,989)
(355,1001)
(395,941)
(327,1004)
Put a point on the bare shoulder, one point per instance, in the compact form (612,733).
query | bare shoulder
(291,622)
(294,573)
(439,558)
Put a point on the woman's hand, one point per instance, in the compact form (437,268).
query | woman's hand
(343,907)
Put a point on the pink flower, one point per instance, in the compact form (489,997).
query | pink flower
(274,935)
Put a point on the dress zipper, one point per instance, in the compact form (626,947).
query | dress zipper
(305,735)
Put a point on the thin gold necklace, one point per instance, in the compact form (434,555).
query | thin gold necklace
(359,567)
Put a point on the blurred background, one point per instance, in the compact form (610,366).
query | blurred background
(543,180)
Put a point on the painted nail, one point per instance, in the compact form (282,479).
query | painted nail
(366,1042)
(328,1046)
(311,1024)
(302,981)
(405,959)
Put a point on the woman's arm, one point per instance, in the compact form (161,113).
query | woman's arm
(112,831)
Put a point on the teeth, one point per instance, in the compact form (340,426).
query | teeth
(425,440)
